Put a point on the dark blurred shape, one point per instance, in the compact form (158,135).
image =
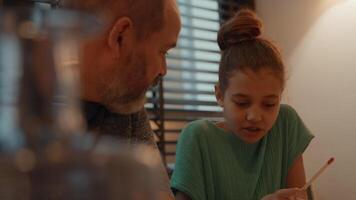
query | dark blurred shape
(81,169)
(17,2)
(30,3)
(44,151)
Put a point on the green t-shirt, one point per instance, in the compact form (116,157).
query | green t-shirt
(212,164)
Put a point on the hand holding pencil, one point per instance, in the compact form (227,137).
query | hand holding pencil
(297,193)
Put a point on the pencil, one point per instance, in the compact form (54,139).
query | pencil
(321,170)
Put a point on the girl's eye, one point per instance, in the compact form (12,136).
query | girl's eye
(242,104)
(270,105)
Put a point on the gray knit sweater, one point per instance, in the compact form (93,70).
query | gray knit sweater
(133,127)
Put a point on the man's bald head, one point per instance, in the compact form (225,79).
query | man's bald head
(147,15)
(119,65)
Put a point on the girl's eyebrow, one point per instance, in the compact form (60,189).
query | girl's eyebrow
(240,95)
(271,96)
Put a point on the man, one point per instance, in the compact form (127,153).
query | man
(123,62)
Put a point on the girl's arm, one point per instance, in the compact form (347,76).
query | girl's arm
(182,196)
(295,180)
(296,174)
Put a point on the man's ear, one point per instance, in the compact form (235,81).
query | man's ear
(219,95)
(120,36)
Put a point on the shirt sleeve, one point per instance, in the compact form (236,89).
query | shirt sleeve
(299,136)
(188,173)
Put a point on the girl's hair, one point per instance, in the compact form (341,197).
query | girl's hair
(242,48)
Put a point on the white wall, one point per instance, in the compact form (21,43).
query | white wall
(318,40)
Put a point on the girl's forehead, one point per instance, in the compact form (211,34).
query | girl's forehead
(263,82)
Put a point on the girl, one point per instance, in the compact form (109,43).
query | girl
(256,152)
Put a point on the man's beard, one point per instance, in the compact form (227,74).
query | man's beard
(125,93)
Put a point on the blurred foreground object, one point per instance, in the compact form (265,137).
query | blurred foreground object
(44,151)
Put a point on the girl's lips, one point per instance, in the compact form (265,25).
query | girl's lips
(252,129)
(252,132)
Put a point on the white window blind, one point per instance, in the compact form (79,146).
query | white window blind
(193,65)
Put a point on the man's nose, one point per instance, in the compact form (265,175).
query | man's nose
(163,69)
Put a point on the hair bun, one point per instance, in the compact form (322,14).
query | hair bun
(245,25)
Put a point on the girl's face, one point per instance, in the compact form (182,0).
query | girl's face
(251,103)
